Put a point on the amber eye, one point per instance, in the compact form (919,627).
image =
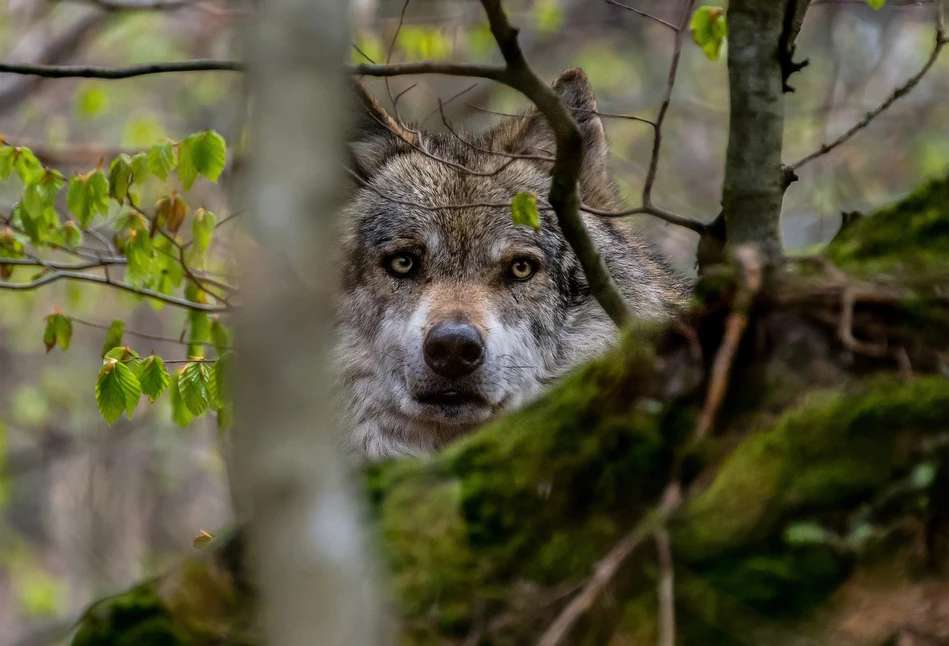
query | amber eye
(401,265)
(522,269)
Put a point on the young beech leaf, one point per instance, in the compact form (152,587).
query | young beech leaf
(710,30)
(7,158)
(58,330)
(161,159)
(88,195)
(179,411)
(193,387)
(117,390)
(120,177)
(220,336)
(71,234)
(202,228)
(113,338)
(524,210)
(153,377)
(27,166)
(876,4)
(139,167)
(203,153)
(11,248)
(171,211)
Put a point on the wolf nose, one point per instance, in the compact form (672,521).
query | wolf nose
(453,349)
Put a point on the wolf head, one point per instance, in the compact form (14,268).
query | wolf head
(450,316)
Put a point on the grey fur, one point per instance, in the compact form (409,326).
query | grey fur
(535,331)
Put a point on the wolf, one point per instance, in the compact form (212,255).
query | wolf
(448,313)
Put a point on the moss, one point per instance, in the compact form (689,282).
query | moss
(912,234)
(833,448)
(137,618)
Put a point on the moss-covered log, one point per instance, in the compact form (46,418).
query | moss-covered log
(827,473)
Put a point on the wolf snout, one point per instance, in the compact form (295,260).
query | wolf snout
(453,349)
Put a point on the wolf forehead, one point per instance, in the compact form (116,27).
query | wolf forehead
(406,210)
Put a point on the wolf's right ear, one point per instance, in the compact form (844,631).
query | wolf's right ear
(375,135)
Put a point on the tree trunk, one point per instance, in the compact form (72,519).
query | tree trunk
(304,535)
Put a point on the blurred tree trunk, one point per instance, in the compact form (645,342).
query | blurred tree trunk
(306,551)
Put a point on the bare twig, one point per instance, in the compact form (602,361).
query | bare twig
(897,94)
(643,14)
(606,569)
(735,327)
(142,335)
(680,31)
(662,214)
(100,280)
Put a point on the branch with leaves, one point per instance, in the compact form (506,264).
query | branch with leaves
(104,231)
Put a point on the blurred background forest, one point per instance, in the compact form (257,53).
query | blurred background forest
(86,510)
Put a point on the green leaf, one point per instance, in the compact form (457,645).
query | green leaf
(7,158)
(58,330)
(876,4)
(153,377)
(117,390)
(161,159)
(71,235)
(88,195)
(203,153)
(11,248)
(27,166)
(710,30)
(202,228)
(179,411)
(139,166)
(223,374)
(193,387)
(199,333)
(120,177)
(113,338)
(220,337)
(524,211)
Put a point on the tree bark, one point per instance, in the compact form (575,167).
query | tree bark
(305,537)
(755,179)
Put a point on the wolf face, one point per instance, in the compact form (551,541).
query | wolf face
(450,316)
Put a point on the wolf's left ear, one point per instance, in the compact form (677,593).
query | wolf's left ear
(532,135)
(375,136)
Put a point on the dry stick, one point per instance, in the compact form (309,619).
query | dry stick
(142,335)
(735,327)
(897,94)
(607,568)
(395,37)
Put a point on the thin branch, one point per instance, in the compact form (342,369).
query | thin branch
(643,14)
(897,94)
(664,107)
(92,72)
(607,568)
(142,335)
(100,280)
(492,72)
(672,218)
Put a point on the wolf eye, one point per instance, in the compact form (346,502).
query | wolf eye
(522,269)
(401,265)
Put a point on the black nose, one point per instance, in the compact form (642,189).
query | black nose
(453,349)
